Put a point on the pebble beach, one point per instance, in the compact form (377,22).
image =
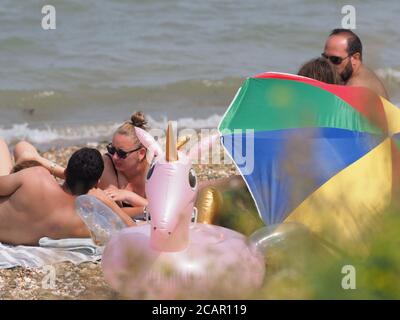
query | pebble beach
(76,70)
(84,281)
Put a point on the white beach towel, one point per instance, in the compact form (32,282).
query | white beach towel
(100,220)
(49,251)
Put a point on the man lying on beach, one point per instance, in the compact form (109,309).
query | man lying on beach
(33,205)
(344,49)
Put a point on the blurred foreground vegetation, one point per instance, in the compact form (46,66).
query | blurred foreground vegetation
(303,267)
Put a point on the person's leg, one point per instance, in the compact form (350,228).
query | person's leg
(5,159)
(24,151)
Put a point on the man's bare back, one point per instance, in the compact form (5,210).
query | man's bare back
(33,205)
(38,208)
(366,78)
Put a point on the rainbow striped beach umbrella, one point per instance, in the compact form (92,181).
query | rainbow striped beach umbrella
(326,156)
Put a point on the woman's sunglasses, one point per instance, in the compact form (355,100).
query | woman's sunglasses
(120,153)
(334,59)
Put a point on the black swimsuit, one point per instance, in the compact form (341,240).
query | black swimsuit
(124,204)
(121,203)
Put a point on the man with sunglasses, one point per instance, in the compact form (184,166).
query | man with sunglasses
(343,49)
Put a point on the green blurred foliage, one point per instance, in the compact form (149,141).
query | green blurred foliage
(238,212)
(310,270)
(303,266)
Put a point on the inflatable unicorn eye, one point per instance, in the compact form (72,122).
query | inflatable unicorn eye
(150,172)
(192,179)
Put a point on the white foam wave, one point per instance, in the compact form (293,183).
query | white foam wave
(210,122)
(44,94)
(213,83)
(23,132)
(389,74)
(50,134)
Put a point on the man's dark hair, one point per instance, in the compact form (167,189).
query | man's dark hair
(353,41)
(84,170)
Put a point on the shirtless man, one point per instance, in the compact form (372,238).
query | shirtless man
(344,49)
(33,205)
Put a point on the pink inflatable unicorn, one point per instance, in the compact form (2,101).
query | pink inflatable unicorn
(172,256)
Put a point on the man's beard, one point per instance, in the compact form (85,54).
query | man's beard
(347,72)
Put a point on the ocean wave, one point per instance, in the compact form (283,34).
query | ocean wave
(48,135)
(187,123)
(389,74)
(192,99)
(203,89)
(43,94)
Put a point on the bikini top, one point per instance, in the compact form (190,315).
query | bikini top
(121,204)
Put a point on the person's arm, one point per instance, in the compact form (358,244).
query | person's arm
(99,194)
(126,196)
(133,211)
(10,183)
(135,200)
(55,169)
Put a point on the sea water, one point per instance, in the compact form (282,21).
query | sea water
(175,59)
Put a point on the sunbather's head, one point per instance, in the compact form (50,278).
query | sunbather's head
(320,69)
(84,170)
(126,150)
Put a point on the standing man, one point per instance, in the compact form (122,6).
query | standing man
(344,49)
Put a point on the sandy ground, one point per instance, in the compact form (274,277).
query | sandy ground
(84,281)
